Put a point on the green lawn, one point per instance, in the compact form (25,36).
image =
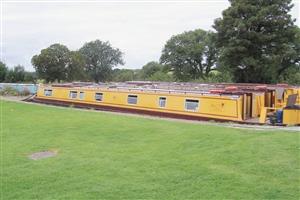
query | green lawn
(108,156)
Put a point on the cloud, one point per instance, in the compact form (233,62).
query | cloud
(139,29)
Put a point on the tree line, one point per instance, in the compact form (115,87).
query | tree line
(17,74)
(253,41)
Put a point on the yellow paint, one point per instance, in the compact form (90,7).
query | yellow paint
(268,98)
(264,112)
(258,103)
(291,117)
(237,108)
(263,115)
(289,91)
(213,106)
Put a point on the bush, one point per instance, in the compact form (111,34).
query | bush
(216,77)
(291,76)
(161,76)
(9,91)
(220,77)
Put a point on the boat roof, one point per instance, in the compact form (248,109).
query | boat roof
(180,87)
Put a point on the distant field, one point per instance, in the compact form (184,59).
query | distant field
(107,156)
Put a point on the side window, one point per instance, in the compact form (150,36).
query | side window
(191,105)
(81,95)
(132,99)
(99,96)
(162,102)
(47,92)
(73,94)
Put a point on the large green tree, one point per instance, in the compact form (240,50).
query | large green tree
(3,71)
(100,58)
(149,69)
(154,71)
(121,75)
(30,77)
(257,39)
(10,76)
(15,75)
(190,55)
(57,63)
(75,68)
(19,73)
(292,74)
(51,64)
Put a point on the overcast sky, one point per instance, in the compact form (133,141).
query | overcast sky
(139,29)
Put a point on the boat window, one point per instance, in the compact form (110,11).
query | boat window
(47,92)
(162,102)
(73,94)
(99,96)
(191,104)
(81,95)
(132,99)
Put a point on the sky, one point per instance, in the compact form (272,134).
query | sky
(139,29)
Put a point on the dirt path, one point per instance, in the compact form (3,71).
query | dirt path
(223,124)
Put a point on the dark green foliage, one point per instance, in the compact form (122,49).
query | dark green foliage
(30,77)
(19,73)
(216,76)
(291,76)
(57,63)
(94,61)
(161,76)
(154,71)
(190,55)
(75,69)
(10,76)
(121,75)
(15,75)
(257,39)
(149,69)
(3,71)
(51,64)
(219,76)
(100,58)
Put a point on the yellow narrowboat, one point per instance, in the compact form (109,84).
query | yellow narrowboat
(239,102)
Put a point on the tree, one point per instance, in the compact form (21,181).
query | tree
(100,58)
(121,75)
(30,77)
(15,75)
(190,55)
(154,71)
(161,76)
(257,39)
(292,74)
(51,64)
(75,68)
(3,71)
(150,68)
(10,76)
(19,73)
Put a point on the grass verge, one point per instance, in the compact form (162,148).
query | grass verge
(106,156)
